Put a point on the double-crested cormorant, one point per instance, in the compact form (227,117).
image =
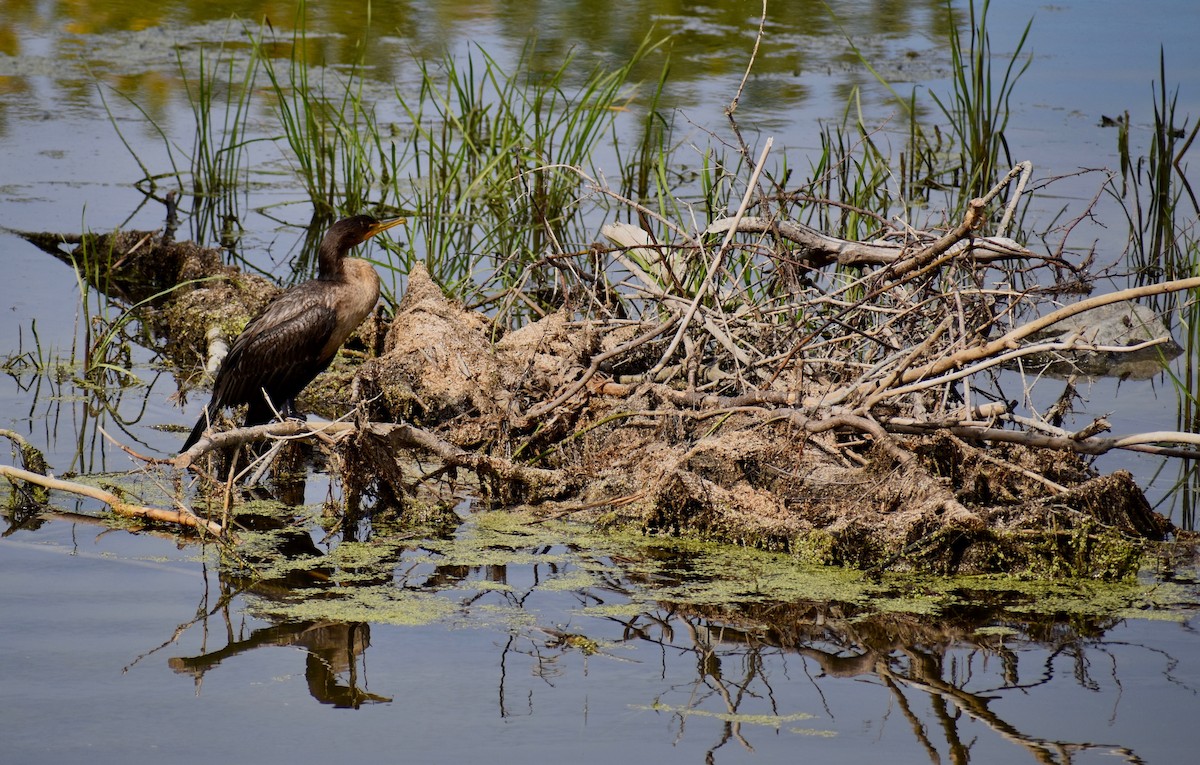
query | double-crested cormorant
(297,335)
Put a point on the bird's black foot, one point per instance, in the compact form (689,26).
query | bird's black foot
(290,412)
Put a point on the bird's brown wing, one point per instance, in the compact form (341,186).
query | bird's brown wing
(279,351)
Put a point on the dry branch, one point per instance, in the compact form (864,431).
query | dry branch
(397,435)
(1093,445)
(238,436)
(821,250)
(1009,340)
(181,517)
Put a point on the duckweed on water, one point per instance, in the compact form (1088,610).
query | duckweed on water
(770,721)
(571,580)
(379,604)
(394,577)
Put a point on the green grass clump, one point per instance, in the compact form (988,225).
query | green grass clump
(493,164)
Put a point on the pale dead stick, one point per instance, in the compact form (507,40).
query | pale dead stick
(119,506)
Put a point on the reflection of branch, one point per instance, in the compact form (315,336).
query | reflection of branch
(918,727)
(927,677)
(709,661)
(866,654)
(202,615)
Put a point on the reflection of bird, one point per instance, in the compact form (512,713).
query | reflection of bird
(296,337)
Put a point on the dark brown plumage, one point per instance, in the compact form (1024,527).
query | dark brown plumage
(297,335)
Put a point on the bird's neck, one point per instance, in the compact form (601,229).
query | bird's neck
(331,267)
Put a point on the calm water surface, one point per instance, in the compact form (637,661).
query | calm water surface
(130,648)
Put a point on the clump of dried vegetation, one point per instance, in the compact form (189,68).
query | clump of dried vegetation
(794,367)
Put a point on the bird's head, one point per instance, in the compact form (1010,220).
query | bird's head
(357,229)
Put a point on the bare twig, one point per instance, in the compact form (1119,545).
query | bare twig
(714,265)
(181,517)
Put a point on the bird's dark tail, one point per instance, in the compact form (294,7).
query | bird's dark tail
(198,431)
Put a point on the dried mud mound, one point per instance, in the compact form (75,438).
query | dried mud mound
(642,456)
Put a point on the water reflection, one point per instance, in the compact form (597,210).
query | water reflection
(73,415)
(332,664)
(728,672)
(130,45)
(334,661)
(740,669)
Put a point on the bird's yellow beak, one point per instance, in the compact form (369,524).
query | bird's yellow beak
(384,225)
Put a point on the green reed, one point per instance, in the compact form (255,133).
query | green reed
(221,99)
(961,157)
(978,109)
(1155,191)
(217,172)
(1164,243)
(333,135)
(218,156)
(854,171)
(490,163)
(103,356)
